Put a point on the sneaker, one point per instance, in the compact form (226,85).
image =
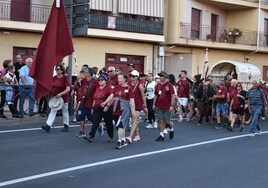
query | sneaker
(259,132)
(89,138)
(123,143)
(218,127)
(180,120)
(45,128)
(165,131)
(100,129)
(65,128)
(31,114)
(229,128)
(160,139)
(171,134)
(251,134)
(155,125)
(81,134)
(16,116)
(241,129)
(74,120)
(118,145)
(150,126)
(137,138)
(129,140)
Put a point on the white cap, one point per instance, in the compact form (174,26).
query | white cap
(135,73)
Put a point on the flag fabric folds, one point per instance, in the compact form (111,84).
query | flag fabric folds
(206,73)
(55,44)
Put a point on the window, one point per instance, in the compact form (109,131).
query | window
(110,58)
(195,27)
(123,59)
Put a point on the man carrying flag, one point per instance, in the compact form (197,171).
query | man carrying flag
(55,44)
(205,73)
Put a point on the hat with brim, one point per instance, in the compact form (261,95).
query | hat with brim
(55,103)
(163,73)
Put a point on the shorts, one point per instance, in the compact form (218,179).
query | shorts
(183,101)
(222,108)
(240,111)
(164,115)
(84,112)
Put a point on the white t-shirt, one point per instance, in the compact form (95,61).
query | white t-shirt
(11,77)
(150,88)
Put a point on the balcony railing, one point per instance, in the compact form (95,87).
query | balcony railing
(226,35)
(40,14)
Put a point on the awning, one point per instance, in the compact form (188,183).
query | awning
(245,72)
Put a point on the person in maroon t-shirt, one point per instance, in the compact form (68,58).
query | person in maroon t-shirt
(164,104)
(123,107)
(221,106)
(60,88)
(89,86)
(99,111)
(237,106)
(140,103)
(113,77)
(183,91)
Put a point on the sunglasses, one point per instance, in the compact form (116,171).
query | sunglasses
(110,71)
(57,69)
(101,79)
(133,76)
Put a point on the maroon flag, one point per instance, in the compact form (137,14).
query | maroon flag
(205,73)
(55,44)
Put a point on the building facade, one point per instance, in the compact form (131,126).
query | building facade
(232,30)
(120,32)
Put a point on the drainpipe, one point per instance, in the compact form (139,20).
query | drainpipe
(258,35)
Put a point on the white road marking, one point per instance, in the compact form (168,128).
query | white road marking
(43,175)
(34,129)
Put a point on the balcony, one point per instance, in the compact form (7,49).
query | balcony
(223,35)
(40,14)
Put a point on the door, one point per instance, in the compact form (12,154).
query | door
(265,73)
(213,30)
(266,30)
(195,24)
(122,61)
(20,10)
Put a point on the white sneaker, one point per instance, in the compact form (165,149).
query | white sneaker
(165,131)
(180,120)
(258,133)
(155,124)
(74,120)
(150,126)
(251,134)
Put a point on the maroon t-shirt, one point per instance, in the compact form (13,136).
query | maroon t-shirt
(125,93)
(114,80)
(101,94)
(84,84)
(59,85)
(137,95)
(183,88)
(222,90)
(232,92)
(164,93)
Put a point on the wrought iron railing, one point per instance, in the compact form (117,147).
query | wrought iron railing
(226,35)
(40,14)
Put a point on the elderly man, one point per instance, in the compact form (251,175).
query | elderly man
(113,77)
(256,102)
(26,88)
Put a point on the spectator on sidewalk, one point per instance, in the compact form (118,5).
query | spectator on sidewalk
(26,88)
(11,81)
(3,72)
(60,88)
(18,65)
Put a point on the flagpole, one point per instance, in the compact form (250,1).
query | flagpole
(70,61)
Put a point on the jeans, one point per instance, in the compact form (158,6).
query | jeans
(256,112)
(26,92)
(53,113)
(151,111)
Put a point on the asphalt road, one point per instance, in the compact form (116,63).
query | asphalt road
(198,156)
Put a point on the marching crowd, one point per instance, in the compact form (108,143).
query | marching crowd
(118,98)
